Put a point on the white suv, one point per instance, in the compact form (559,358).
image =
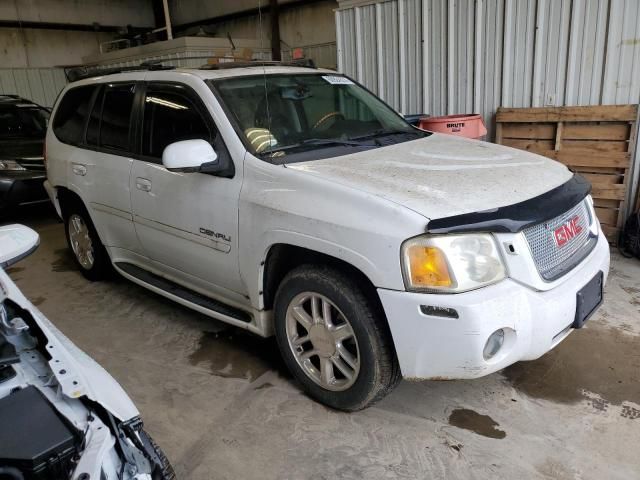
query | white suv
(291,200)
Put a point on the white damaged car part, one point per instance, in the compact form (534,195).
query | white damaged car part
(62,416)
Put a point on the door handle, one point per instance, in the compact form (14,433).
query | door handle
(143,184)
(79,169)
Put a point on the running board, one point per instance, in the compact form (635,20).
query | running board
(189,297)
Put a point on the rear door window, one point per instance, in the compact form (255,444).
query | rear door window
(71,115)
(115,121)
(93,127)
(170,116)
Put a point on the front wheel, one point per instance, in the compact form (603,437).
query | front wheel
(334,339)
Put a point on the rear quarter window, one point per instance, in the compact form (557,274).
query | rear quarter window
(71,115)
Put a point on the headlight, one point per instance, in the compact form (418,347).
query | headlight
(10,165)
(451,263)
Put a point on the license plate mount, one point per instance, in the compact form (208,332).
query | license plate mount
(588,299)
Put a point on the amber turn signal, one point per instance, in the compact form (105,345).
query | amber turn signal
(428,267)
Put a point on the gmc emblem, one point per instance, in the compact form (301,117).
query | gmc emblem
(567,231)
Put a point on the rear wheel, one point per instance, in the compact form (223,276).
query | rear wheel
(88,252)
(334,338)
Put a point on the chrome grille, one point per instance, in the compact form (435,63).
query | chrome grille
(552,260)
(32,163)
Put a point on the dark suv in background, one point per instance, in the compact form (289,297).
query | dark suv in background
(23,126)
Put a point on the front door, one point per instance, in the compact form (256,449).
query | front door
(187,223)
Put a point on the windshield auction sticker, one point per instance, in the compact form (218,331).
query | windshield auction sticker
(336,80)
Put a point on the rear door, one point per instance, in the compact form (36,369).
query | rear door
(103,171)
(187,223)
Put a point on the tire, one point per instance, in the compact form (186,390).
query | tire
(370,358)
(164,470)
(85,241)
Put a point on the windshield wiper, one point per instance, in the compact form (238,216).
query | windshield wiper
(320,141)
(383,132)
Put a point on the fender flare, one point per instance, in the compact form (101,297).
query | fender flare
(322,246)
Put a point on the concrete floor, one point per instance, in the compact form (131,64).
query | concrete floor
(220,404)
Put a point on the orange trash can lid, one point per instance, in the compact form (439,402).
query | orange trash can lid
(463,125)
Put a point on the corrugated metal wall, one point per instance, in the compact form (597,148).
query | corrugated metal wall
(40,85)
(455,56)
(458,56)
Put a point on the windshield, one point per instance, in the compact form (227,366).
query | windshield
(23,122)
(284,115)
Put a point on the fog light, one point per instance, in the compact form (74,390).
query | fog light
(493,345)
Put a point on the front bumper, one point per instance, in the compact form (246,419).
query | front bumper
(21,188)
(434,347)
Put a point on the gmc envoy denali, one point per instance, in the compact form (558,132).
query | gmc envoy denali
(290,200)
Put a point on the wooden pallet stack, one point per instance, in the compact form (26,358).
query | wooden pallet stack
(596,141)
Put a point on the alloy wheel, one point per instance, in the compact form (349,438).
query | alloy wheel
(80,240)
(322,341)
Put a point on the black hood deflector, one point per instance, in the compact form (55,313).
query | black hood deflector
(515,218)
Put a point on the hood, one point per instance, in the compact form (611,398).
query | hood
(77,373)
(443,175)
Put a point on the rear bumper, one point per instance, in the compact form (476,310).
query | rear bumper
(21,188)
(433,347)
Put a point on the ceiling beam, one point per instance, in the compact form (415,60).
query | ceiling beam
(77,27)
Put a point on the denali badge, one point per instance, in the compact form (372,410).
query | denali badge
(567,231)
(216,235)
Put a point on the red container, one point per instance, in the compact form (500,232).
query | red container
(465,125)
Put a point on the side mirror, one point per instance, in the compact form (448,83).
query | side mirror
(189,156)
(16,242)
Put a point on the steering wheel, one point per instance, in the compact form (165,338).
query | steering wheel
(327,117)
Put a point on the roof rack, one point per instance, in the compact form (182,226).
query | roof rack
(304,63)
(74,74)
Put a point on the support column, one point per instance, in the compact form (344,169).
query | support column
(275,30)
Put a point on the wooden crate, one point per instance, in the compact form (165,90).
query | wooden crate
(596,142)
